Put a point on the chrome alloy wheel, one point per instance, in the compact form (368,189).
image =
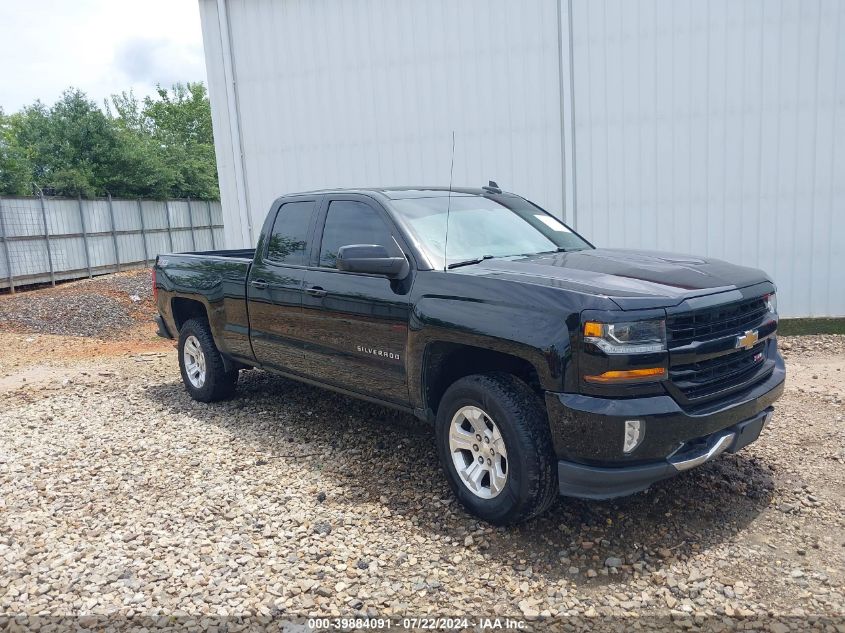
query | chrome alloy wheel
(194,361)
(478,452)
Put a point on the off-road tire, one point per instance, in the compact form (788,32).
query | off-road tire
(219,384)
(532,485)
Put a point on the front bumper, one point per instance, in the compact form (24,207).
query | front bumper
(592,482)
(588,433)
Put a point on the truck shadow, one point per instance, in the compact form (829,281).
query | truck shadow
(379,456)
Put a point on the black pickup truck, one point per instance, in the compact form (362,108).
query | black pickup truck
(547,366)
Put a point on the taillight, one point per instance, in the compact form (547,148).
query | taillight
(155,288)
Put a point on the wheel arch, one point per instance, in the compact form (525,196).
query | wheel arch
(184,309)
(531,340)
(446,362)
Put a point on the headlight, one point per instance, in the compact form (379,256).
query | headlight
(772,303)
(632,337)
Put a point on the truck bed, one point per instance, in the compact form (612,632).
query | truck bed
(241,253)
(205,272)
(215,281)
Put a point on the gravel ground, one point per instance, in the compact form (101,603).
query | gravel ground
(99,307)
(121,496)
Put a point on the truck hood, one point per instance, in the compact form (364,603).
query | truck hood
(632,279)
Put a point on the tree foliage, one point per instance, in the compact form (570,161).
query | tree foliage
(15,166)
(156,148)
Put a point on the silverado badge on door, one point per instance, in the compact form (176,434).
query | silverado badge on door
(379,352)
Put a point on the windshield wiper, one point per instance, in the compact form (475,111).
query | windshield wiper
(559,249)
(469,262)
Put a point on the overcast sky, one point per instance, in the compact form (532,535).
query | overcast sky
(100,46)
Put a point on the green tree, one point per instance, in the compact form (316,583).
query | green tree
(161,147)
(140,168)
(180,123)
(71,145)
(15,166)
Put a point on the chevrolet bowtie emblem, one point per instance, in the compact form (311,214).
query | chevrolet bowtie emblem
(747,340)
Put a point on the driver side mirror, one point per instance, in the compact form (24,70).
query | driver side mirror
(372,259)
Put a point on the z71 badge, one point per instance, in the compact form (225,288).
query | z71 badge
(378,352)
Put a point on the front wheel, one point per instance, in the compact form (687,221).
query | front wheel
(203,371)
(494,443)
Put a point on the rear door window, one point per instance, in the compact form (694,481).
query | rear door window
(288,242)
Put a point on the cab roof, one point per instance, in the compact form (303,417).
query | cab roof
(400,193)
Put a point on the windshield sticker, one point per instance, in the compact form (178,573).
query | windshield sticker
(553,223)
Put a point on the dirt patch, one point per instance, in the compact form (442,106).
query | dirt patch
(20,352)
(103,307)
(82,320)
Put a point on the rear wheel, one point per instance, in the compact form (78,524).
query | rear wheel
(203,370)
(494,443)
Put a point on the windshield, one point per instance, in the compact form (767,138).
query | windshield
(481,227)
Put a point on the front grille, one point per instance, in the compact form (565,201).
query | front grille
(697,380)
(710,323)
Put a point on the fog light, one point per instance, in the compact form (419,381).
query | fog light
(634,433)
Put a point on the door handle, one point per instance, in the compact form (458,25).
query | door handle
(316,291)
(259,284)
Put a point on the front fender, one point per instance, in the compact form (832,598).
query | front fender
(542,338)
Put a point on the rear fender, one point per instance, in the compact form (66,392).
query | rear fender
(220,287)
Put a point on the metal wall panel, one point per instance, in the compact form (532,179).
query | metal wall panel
(202,240)
(368,92)
(127,215)
(63,217)
(707,127)
(27,258)
(224,119)
(23,217)
(179,216)
(68,254)
(90,237)
(155,214)
(716,128)
(97,217)
(130,248)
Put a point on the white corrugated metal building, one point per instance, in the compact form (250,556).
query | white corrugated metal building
(707,127)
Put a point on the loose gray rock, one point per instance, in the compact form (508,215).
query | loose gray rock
(323,528)
(119,494)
